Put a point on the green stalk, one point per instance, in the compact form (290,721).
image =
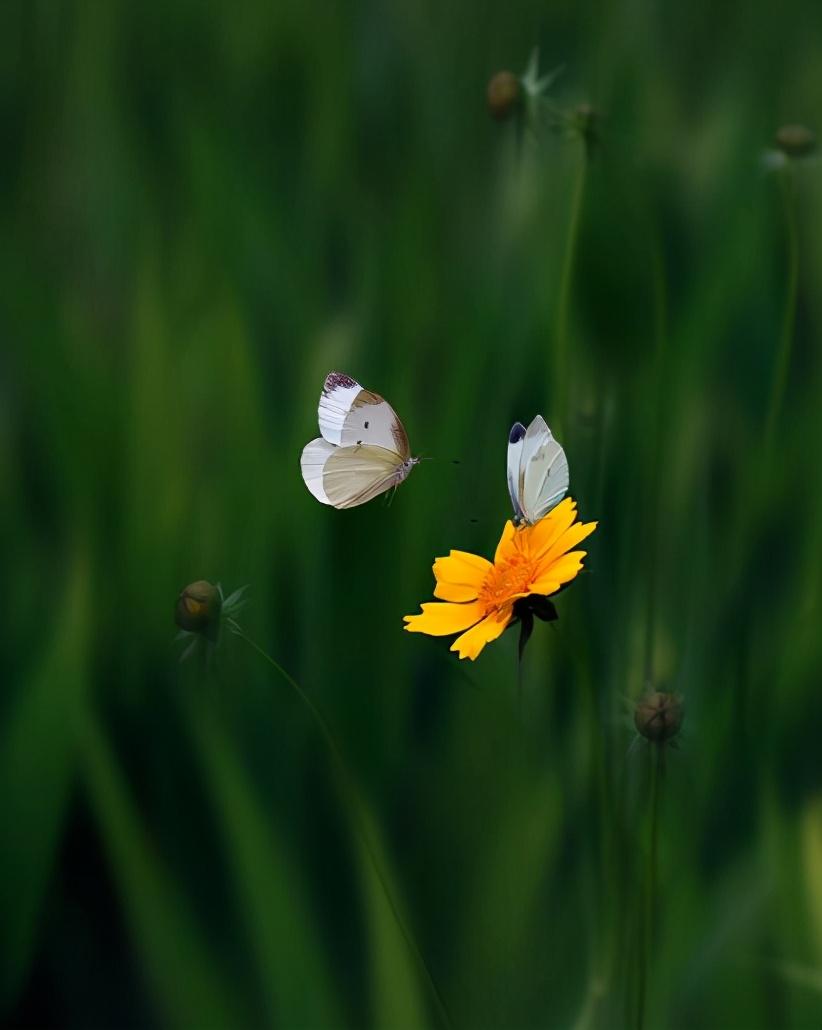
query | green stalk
(751,513)
(646,949)
(561,343)
(657,426)
(783,357)
(357,810)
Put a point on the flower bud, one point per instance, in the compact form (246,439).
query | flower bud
(658,717)
(198,609)
(795,141)
(504,95)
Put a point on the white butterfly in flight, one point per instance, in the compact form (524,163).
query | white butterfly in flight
(363,450)
(537,471)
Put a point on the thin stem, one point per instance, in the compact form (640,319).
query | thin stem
(598,761)
(519,688)
(657,426)
(357,808)
(561,358)
(657,760)
(783,357)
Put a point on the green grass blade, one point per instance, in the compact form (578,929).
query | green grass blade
(298,986)
(397,996)
(37,756)
(181,969)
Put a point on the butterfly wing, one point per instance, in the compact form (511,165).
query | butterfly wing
(312,465)
(351,416)
(544,476)
(347,476)
(515,443)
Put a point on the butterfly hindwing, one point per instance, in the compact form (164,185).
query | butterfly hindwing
(312,465)
(356,474)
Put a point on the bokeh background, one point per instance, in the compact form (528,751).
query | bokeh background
(205,207)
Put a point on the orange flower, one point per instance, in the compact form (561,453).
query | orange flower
(478,596)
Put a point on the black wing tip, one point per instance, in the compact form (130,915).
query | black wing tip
(338,380)
(517,432)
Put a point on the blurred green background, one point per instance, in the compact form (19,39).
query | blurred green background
(205,208)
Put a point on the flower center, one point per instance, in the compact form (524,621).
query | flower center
(511,576)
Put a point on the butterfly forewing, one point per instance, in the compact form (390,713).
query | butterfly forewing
(515,443)
(554,483)
(350,415)
(545,477)
(336,399)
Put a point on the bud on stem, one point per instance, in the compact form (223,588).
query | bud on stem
(658,716)
(504,95)
(795,141)
(198,609)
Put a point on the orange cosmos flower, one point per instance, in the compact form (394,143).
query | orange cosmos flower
(478,597)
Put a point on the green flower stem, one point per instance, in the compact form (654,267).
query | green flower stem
(561,343)
(658,415)
(646,949)
(760,481)
(357,810)
(783,357)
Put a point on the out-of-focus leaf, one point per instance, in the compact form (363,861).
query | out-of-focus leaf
(294,973)
(37,764)
(184,975)
(801,975)
(811,831)
(397,993)
(505,885)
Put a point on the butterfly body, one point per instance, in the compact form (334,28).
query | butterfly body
(363,450)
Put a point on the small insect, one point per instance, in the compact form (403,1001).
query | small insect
(363,450)
(537,471)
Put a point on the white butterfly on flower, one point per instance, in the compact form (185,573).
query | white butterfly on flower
(537,471)
(363,450)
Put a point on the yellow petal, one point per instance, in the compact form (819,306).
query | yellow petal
(506,541)
(454,591)
(471,643)
(570,538)
(460,576)
(476,561)
(561,571)
(438,620)
(540,537)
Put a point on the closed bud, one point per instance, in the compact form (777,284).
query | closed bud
(658,716)
(198,609)
(795,141)
(504,95)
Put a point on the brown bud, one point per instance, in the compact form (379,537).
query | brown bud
(658,717)
(198,609)
(504,95)
(795,141)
